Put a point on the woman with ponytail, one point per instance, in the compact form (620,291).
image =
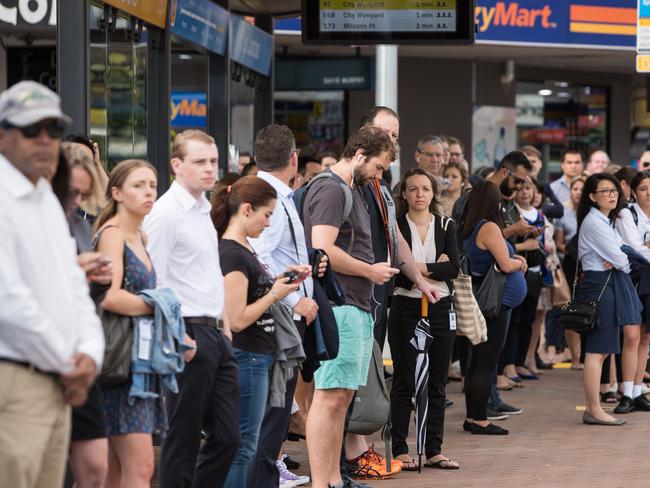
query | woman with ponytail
(241,211)
(130,423)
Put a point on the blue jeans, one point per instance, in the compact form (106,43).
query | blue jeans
(254,375)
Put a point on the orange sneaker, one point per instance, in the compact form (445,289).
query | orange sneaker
(372,466)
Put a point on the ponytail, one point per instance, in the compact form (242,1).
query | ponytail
(227,199)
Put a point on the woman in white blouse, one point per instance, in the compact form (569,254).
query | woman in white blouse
(432,239)
(605,279)
(633,224)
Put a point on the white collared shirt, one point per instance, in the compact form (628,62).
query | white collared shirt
(46,314)
(598,242)
(634,235)
(184,249)
(275,247)
(562,189)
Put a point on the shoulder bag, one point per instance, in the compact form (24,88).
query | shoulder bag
(579,315)
(118,336)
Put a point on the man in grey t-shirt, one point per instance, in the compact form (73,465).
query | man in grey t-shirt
(366,156)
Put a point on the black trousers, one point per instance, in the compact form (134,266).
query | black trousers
(208,399)
(404,315)
(262,470)
(482,363)
(525,328)
(379,310)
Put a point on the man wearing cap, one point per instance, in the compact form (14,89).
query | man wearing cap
(51,340)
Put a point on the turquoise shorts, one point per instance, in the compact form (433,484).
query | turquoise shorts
(350,368)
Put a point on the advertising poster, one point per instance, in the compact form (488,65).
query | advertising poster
(494,134)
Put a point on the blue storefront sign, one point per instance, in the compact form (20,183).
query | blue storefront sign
(189,109)
(609,23)
(586,22)
(201,22)
(250,46)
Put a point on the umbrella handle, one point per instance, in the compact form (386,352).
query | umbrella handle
(425,306)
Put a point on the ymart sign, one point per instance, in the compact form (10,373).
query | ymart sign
(570,22)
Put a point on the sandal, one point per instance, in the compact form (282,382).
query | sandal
(443,463)
(609,397)
(408,462)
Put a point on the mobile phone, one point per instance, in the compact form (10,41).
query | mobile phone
(292,275)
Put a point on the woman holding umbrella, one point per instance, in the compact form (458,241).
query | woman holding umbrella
(432,239)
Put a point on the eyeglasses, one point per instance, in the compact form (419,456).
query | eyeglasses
(645,165)
(430,154)
(54,129)
(456,154)
(608,192)
(75,192)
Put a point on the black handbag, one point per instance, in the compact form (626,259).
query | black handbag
(579,315)
(118,338)
(534,283)
(489,291)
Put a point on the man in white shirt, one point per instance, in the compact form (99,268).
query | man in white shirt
(184,249)
(51,340)
(282,244)
(572,167)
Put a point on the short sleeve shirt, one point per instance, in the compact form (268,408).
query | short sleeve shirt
(260,336)
(324,205)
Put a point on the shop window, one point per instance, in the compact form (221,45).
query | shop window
(315,117)
(118,70)
(556,115)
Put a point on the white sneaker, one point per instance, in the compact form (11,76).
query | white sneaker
(289,479)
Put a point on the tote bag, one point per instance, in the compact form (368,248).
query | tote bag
(469,318)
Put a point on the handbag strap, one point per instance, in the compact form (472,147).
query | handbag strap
(575,282)
(295,242)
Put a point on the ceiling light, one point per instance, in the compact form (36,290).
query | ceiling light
(561,84)
(545,92)
(185,56)
(563,94)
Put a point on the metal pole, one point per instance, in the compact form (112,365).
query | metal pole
(386,87)
(158,102)
(219,100)
(263,108)
(73,63)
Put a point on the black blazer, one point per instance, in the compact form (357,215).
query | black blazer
(446,243)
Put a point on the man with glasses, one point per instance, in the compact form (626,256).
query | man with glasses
(644,161)
(430,154)
(456,151)
(51,340)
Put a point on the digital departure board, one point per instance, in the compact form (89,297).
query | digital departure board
(388,21)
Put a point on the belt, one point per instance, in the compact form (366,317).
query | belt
(205,322)
(28,366)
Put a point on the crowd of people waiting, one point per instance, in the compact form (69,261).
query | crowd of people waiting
(228,301)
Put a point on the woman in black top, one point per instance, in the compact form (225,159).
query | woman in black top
(241,211)
(432,239)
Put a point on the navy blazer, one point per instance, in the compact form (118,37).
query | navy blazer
(446,243)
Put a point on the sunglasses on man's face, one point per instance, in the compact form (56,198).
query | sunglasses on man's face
(644,165)
(53,129)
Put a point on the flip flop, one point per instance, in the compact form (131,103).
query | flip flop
(408,463)
(609,397)
(441,464)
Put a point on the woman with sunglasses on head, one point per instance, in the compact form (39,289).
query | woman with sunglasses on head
(605,277)
(432,239)
(633,224)
(485,246)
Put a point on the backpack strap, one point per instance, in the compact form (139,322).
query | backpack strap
(299,198)
(634,213)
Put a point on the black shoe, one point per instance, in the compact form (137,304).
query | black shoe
(642,403)
(290,463)
(490,429)
(492,414)
(541,364)
(467,426)
(350,483)
(509,409)
(625,405)
(448,403)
